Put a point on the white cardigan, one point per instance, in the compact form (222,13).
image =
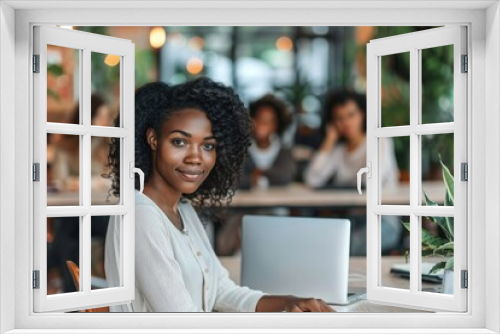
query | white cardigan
(175,271)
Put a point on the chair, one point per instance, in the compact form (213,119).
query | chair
(75,274)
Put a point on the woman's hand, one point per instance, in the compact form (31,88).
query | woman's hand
(291,304)
(295,304)
(331,137)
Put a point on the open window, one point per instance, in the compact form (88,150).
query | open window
(448,212)
(80,207)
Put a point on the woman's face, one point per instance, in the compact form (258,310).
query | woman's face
(265,123)
(185,152)
(102,116)
(348,119)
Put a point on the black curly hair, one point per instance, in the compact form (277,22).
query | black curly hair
(277,106)
(339,98)
(156,102)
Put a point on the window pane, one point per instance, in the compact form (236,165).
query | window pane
(395,92)
(63,89)
(399,265)
(437,168)
(437,84)
(394,170)
(99,226)
(63,169)
(101,171)
(105,83)
(437,254)
(63,244)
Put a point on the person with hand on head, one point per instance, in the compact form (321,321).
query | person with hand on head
(343,150)
(191,140)
(343,153)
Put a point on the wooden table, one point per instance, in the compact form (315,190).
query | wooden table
(299,195)
(357,279)
(293,195)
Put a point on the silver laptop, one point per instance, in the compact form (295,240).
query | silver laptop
(305,257)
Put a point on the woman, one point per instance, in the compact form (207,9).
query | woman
(343,153)
(269,162)
(190,142)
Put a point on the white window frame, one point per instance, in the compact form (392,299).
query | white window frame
(483,21)
(413,43)
(85,43)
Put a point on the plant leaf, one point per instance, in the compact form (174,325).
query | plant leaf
(428,201)
(450,264)
(436,267)
(448,180)
(449,221)
(432,241)
(441,222)
(406,226)
(445,250)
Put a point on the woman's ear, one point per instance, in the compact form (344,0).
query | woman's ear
(151,139)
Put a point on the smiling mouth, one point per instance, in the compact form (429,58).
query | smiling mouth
(190,176)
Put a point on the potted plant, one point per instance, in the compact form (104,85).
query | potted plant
(440,246)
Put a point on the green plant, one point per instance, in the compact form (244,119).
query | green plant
(439,245)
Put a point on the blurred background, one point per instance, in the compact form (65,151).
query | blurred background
(300,74)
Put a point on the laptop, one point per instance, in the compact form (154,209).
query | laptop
(305,257)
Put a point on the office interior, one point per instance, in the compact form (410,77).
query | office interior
(301,67)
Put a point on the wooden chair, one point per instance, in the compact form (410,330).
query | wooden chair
(75,274)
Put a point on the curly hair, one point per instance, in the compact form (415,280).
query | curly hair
(231,126)
(339,98)
(277,106)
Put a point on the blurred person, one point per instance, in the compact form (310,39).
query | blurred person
(66,160)
(65,170)
(191,141)
(269,163)
(343,153)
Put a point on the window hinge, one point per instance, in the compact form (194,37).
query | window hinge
(36,279)
(464,171)
(36,63)
(465,64)
(36,172)
(465,279)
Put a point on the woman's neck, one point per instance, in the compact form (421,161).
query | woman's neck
(164,196)
(354,143)
(263,143)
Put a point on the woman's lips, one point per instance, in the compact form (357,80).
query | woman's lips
(190,176)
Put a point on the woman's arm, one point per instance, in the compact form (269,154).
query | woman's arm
(323,164)
(291,304)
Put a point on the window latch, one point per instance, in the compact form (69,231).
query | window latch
(368,171)
(139,171)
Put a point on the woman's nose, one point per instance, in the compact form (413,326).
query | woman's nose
(194,154)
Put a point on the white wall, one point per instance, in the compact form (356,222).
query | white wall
(7,160)
(492,150)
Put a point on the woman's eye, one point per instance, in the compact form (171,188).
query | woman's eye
(209,147)
(178,142)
